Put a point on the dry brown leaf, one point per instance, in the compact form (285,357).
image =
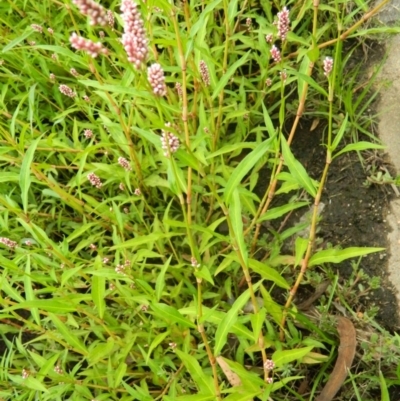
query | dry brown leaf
(314,124)
(232,377)
(347,350)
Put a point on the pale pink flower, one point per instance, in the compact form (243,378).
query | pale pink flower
(93,247)
(137,192)
(283,75)
(102,34)
(25,374)
(194,262)
(134,38)
(110,18)
(283,23)
(248,22)
(155,75)
(268,82)
(88,133)
(52,77)
(124,163)
(269,38)
(50,31)
(37,28)
(7,242)
(74,72)
(275,54)
(178,88)
(270,380)
(58,369)
(86,98)
(105,260)
(94,180)
(122,187)
(67,91)
(96,13)
(269,364)
(205,73)
(328,65)
(120,269)
(169,142)
(90,47)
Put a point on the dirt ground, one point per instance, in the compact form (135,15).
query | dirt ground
(354,214)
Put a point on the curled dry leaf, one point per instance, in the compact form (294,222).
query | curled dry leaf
(232,377)
(347,350)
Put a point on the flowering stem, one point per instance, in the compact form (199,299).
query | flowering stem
(270,192)
(224,69)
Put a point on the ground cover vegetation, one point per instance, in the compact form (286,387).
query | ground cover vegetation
(137,260)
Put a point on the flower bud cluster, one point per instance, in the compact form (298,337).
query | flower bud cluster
(155,75)
(169,142)
(94,180)
(133,39)
(283,23)
(96,13)
(92,48)
(67,91)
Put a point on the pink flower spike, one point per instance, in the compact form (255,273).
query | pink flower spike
(67,91)
(7,242)
(90,47)
(37,28)
(275,54)
(134,38)
(155,75)
(124,163)
(169,142)
(94,180)
(205,73)
(328,65)
(283,23)
(96,13)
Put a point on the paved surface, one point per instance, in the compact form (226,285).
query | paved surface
(389,131)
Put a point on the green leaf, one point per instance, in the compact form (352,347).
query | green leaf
(268,122)
(300,249)
(144,239)
(101,351)
(155,343)
(193,397)
(204,383)
(120,373)
(169,313)
(340,133)
(242,394)
(284,357)
(310,81)
(268,273)
(98,294)
(362,145)
(339,255)
(384,390)
(18,40)
(35,384)
(244,167)
(228,321)
(297,170)
(160,282)
(48,305)
(257,321)
(231,148)
(29,294)
(235,215)
(225,78)
(67,336)
(279,211)
(25,173)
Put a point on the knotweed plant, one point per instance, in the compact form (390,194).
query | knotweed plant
(141,259)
